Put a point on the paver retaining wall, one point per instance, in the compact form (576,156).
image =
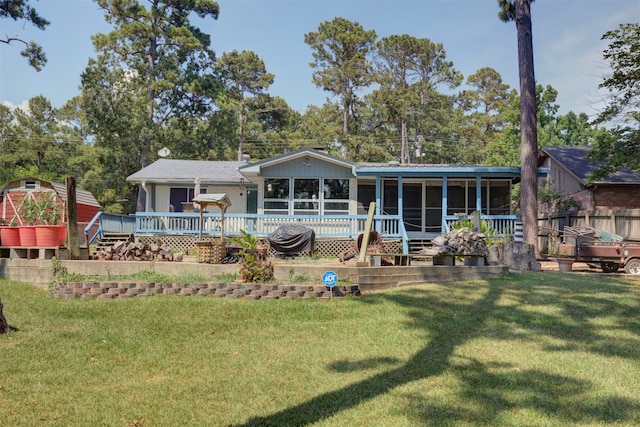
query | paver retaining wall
(128,289)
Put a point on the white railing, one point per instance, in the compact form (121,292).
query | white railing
(324,226)
(503,225)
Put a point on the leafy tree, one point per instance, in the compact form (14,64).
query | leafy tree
(409,71)
(340,57)
(8,145)
(520,12)
(484,106)
(21,10)
(620,149)
(36,131)
(244,74)
(160,48)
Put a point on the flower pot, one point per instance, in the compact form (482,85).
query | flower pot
(47,236)
(27,235)
(9,236)
(565,264)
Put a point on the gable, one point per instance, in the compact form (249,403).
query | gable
(576,162)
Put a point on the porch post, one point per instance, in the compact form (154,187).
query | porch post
(445,195)
(400,198)
(479,194)
(378,194)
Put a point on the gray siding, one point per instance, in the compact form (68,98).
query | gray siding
(298,169)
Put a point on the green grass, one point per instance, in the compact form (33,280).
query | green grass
(545,349)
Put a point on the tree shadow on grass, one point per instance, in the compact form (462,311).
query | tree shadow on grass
(450,318)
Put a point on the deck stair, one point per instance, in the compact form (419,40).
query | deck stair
(108,239)
(416,244)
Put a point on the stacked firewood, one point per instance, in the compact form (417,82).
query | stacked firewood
(462,242)
(130,251)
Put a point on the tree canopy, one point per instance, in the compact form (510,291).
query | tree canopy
(621,148)
(21,10)
(156,82)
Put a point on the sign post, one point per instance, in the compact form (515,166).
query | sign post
(330,278)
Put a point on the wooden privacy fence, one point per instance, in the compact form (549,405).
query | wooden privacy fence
(625,223)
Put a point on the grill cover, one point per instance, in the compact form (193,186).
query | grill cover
(291,239)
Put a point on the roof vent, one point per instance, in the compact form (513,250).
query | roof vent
(394,163)
(30,184)
(246,158)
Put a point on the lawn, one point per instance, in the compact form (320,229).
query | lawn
(536,349)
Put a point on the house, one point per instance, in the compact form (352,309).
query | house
(171,185)
(312,188)
(569,170)
(14,192)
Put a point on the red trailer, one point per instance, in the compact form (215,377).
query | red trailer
(611,256)
(601,249)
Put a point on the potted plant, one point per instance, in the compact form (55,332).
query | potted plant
(254,267)
(41,212)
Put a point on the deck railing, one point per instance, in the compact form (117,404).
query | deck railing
(345,226)
(504,225)
(324,226)
(103,222)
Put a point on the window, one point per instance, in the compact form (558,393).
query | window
(276,196)
(178,196)
(336,196)
(306,197)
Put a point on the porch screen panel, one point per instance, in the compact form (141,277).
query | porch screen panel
(457,197)
(390,197)
(499,198)
(412,206)
(433,209)
(461,197)
(276,196)
(366,195)
(336,196)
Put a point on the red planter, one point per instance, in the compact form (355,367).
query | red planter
(50,235)
(46,235)
(9,236)
(27,235)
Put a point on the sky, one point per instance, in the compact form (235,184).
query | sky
(567,38)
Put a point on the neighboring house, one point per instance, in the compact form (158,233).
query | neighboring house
(569,171)
(15,191)
(308,183)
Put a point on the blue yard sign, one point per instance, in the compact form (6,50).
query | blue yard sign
(329,279)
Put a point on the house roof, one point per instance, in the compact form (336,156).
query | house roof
(253,169)
(430,170)
(83,197)
(576,162)
(185,171)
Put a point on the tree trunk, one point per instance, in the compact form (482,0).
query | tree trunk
(529,135)
(4,326)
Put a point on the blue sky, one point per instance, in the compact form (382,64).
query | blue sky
(567,42)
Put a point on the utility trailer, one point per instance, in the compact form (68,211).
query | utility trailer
(600,249)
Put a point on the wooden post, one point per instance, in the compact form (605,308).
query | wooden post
(367,231)
(477,221)
(72,216)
